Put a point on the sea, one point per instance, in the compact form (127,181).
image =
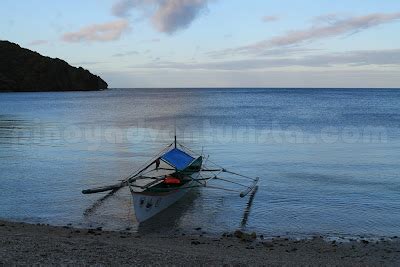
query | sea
(328,160)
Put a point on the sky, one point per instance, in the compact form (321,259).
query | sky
(215,43)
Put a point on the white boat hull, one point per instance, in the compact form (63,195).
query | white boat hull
(147,205)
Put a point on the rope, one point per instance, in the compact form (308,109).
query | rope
(224,170)
(146,164)
(221,188)
(241,175)
(139,174)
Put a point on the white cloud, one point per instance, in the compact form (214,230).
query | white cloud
(327,60)
(252,79)
(105,32)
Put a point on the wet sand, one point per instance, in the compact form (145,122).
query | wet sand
(22,244)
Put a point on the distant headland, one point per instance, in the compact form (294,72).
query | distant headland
(23,70)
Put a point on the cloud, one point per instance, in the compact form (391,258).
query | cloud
(272,52)
(351,59)
(38,42)
(123,7)
(253,79)
(326,18)
(336,27)
(270,18)
(124,54)
(167,16)
(324,27)
(105,32)
(154,40)
(177,14)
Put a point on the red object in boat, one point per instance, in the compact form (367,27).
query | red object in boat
(171,180)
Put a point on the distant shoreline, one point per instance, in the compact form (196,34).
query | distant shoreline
(30,244)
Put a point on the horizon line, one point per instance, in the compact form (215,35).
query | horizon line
(251,87)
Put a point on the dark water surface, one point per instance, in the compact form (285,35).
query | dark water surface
(328,159)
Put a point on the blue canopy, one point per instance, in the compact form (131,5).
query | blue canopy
(177,158)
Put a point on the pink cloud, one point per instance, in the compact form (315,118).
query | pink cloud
(334,28)
(323,27)
(105,32)
(176,14)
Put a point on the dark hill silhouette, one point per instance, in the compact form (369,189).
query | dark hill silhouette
(23,70)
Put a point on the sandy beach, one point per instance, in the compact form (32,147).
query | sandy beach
(22,243)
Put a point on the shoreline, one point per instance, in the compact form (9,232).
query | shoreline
(23,243)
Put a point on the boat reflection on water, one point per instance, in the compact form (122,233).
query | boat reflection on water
(247,210)
(169,220)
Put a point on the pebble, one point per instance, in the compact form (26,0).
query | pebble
(245,236)
(227,235)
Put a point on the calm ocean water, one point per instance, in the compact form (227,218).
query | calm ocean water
(328,159)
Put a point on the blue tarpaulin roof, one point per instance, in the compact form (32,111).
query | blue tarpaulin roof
(177,158)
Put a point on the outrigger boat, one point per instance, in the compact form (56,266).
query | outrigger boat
(169,175)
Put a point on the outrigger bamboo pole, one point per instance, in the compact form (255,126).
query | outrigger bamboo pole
(126,181)
(250,188)
(104,188)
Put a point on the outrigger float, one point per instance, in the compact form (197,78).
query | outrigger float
(169,175)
